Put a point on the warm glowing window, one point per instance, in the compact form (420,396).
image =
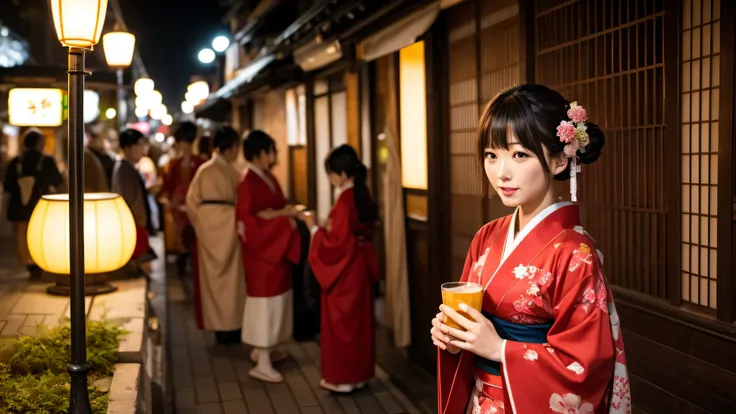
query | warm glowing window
(296,117)
(413,111)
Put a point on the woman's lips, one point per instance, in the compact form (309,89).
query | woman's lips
(508,191)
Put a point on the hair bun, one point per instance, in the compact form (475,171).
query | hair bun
(594,147)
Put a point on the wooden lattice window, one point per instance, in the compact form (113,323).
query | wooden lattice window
(483,61)
(609,56)
(700,77)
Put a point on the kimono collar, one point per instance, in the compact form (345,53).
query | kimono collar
(513,240)
(220,159)
(348,185)
(262,174)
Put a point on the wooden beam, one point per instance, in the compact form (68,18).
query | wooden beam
(726,295)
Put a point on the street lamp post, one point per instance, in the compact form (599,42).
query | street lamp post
(119,47)
(78,26)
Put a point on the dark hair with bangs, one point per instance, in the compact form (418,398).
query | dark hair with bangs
(533,112)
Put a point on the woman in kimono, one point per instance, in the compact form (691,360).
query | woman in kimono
(344,262)
(548,338)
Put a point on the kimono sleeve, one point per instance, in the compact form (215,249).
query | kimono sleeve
(332,251)
(194,198)
(272,240)
(454,372)
(572,372)
(167,180)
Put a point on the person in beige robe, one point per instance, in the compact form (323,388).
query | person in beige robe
(219,282)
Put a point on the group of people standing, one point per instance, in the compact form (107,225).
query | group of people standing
(247,241)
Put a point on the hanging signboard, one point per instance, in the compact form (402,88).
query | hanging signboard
(35,107)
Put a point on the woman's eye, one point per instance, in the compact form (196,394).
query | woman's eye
(521,155)
(490,155)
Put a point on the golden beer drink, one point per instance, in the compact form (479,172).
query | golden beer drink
(455,293)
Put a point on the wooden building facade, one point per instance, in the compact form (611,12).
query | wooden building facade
(656,75)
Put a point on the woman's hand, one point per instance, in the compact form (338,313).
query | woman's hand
(308,218)
(439,339)
(479,338)
(267,214)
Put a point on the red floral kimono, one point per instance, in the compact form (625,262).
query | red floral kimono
(547,296)
(344,262)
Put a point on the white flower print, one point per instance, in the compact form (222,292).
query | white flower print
(520,271)
(581,255)
(531,355)
(478,265)
(576,368)
(549,349)
(533,289)
(569,404)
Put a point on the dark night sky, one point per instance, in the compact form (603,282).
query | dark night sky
(169,35)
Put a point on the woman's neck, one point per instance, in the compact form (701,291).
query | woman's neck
(528,212)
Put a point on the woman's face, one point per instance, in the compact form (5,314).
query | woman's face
(517,174)
(336,180)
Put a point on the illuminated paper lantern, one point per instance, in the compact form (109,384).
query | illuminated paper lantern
(119,48)
(79,22)
(109,233)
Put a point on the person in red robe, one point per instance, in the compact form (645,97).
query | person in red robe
(176,179)
(271,245)
(547,338)
(344,262)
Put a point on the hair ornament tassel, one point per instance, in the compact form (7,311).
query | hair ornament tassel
(574,134)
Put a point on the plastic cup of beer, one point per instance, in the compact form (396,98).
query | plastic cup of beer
(455,293)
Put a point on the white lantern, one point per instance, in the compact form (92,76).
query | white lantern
(159,112)
(79,22)
(119,48)
(200,90)
(154,99)
(167,120)
(187,107)
(109,233)
(143,86)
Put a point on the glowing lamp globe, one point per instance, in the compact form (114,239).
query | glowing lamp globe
(187,107)
(79,22)
(109,233)
(143,86)
(154,99)
(119,47)
(159,112)
(199,91)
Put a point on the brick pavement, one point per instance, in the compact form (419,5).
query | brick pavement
(213,379)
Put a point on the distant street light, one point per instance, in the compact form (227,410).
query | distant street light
(220,44)
(143,86)
(206,56)
(187,107)
(119,47)
(110,113)
(167,120)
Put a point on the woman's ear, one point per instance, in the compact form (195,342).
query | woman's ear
(559,163)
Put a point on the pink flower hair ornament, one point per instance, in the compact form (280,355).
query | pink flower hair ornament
(574,134)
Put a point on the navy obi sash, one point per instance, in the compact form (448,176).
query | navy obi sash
(535,334)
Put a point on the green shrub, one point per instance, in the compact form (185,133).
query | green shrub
(35,379)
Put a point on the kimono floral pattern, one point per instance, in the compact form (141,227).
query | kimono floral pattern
(569,404)
(477,269)
(581,255)
(484,405)
(595,294)
(537,280)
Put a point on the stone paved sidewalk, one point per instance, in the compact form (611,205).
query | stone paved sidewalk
(213,379)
